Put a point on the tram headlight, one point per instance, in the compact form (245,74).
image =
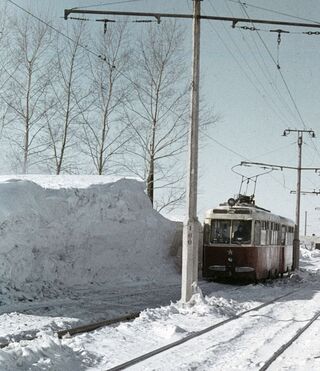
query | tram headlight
(231,202)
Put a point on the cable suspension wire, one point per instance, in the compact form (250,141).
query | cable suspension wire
(273,11)
(282,78)
(276,64)
(104,4)
(265,94)
(266,72)
(101,57)
(242,157)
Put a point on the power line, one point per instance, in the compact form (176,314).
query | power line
(276,64)
(242,157)
(104,4)
(268,76)
(224,146)
(282,78)
(263,94)
(272,11)
(82,46)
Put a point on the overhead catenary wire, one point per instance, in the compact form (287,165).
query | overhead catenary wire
(104,4)
(273,11)
(241,156)
(265,71)
(282,78)
(280,72)
(251,76)
(101,57)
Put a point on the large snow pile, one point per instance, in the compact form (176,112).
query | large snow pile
(76,237)
(309,259)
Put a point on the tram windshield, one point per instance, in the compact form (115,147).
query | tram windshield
(220,231)
(234,231)
(241,231)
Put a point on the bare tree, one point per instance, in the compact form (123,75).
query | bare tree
(27,65)
(68,99)
(158,116)
(104,132)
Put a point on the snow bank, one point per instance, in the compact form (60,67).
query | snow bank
(309,261)
(75,237)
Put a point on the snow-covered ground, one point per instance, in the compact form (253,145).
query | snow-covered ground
(74,253)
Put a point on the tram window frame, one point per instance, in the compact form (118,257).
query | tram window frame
(224,236)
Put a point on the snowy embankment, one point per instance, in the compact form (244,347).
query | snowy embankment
(62,232)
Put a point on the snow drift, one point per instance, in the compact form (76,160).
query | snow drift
(77,237)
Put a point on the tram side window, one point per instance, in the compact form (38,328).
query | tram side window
(206,233)
(220,231)
(274,233)
(257,232)
(290,231)
(283,234)
(241,231)
(279,234)
(264,233)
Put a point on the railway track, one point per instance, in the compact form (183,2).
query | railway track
(105,302)
(194,335)
(285,346)
(93,326)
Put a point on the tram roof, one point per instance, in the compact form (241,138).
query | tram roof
(244,211)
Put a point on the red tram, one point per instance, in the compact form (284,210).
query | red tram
(245,242)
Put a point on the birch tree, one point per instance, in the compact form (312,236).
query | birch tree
(104,133)
(69,95)
(27,64)
(158,115)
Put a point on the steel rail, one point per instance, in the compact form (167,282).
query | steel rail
(28,336)
(196,334)
(93,326)
(76,330)
(289,343)
(31,335)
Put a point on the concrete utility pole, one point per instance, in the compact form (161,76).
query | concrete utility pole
(296,240)
(191,227)
(305,222)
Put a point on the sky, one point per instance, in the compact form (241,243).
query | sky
(242,84)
